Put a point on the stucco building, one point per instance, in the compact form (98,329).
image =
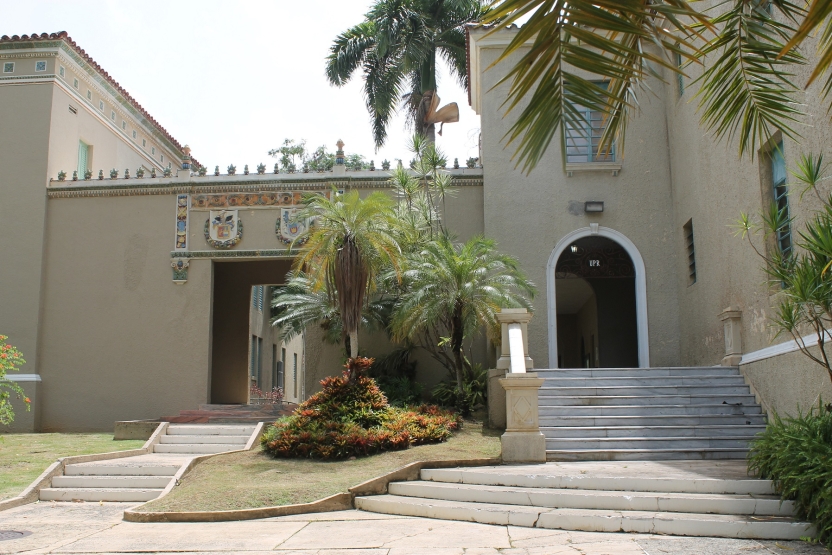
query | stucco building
(137,297)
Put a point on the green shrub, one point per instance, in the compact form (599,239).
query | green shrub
(351,418)
(10,360)
(796,453)
(401,391)
(474,386)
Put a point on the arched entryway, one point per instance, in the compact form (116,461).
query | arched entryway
(597,304)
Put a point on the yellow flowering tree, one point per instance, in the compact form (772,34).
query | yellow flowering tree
(10,359)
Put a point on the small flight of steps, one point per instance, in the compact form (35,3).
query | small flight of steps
(232,414)
(731,508)
(647,413)
(144,477)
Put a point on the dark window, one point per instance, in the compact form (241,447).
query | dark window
(691,250)
(783,235)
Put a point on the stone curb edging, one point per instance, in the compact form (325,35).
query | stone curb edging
(337,502)
(32,492)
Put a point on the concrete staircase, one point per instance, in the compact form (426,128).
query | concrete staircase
(627,499)
(144,477)
(232,414)
(201,439)
(647,414)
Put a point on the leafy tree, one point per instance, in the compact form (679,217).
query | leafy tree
(346,249)
(452,290)
(803,275)
(747,48)
(10,360)
(293,156)
(397,46)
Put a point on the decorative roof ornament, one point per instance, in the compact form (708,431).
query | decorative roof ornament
(186,157)
(261,169)
(339,154)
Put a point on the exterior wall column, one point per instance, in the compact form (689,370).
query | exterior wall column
(732,330)
(496,393)
(522,440)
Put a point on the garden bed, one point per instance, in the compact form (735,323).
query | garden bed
(23,457)
(253,479)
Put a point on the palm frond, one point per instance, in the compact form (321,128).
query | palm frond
(613,40)
(349,52)
(747,92)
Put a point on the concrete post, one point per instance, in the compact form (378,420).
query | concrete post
(522,441)
(496,393)
(732,331)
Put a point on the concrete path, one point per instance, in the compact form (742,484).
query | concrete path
(98,528)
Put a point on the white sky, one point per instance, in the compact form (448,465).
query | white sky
(234,78)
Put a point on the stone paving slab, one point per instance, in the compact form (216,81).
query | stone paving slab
(97,528)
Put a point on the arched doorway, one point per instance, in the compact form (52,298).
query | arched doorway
(597,301)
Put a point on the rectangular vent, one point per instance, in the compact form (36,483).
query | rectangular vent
(688,233)
(73,110)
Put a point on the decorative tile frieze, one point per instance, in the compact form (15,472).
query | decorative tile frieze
(181,242)
(180,270)
(265,253)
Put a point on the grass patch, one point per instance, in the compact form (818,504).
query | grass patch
(23,457)
(254,479)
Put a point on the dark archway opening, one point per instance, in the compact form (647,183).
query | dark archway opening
(595,294)
(232,344)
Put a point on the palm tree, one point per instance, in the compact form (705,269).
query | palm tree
(746,91)
(397,47)
(348,245)
(451,291)
(298,305)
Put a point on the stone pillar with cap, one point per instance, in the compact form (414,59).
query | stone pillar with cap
(339,168)
(185,170)
(732,331)
(496,393)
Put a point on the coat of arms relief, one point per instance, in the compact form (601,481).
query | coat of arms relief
(224,228)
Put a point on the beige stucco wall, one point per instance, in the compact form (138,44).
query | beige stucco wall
(25,116)
(120,341)
(788,383)
(528,215)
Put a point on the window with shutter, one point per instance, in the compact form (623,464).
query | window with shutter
(83,157)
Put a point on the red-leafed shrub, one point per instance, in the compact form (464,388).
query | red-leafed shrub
(352,418)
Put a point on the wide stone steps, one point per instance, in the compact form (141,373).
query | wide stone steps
(649,431)
(686,498)
(99,494)
(141,482)
(639,381)
(213,439)
(731,504)
(645,372)
(647,413)
(590,520)
(145,477)
(548,400)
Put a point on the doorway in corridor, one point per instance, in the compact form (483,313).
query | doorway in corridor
(595,297)
(245,351)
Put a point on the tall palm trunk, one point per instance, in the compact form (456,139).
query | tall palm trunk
(457,336)
(350,278)
(428,86)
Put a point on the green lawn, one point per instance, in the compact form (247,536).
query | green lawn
(24,456)
(253,479)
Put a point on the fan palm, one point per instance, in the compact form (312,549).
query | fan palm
(453,290)
(746,92)
(346,249)
(397,48)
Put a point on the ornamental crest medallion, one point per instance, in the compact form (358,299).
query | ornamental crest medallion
(223,229)
(291,229)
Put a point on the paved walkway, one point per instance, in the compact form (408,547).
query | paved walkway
(98,528)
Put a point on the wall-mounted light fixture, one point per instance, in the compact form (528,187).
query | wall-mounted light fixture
(594,206)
